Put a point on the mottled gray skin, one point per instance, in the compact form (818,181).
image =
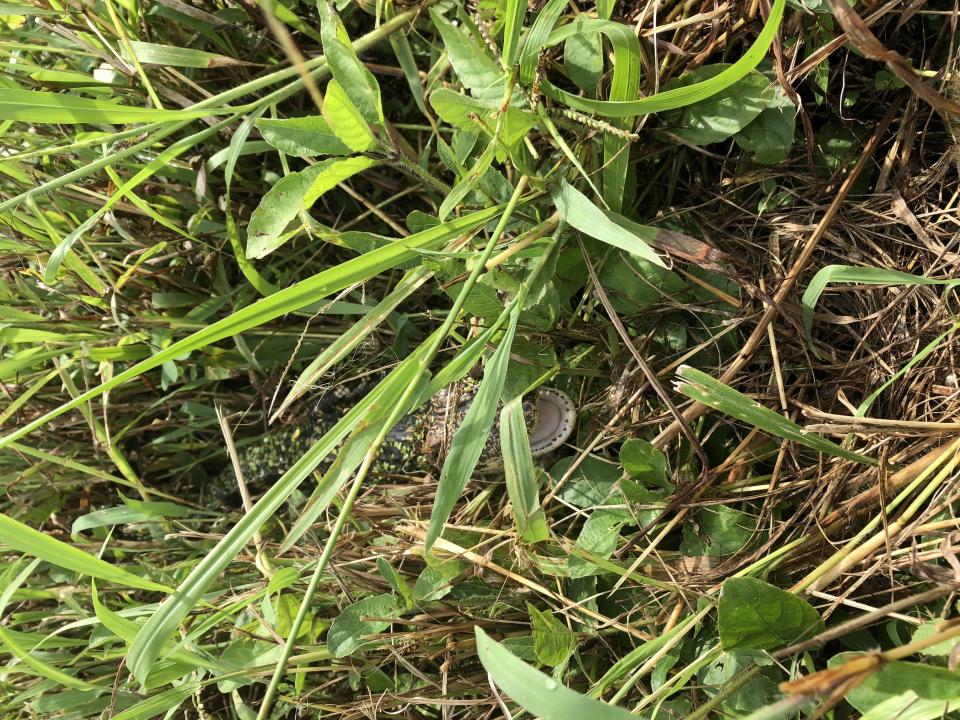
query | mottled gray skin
(417,444)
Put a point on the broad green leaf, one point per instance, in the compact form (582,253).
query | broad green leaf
(723,115)
(929,629)
(678,97)
(47,108)
(335,172)
(25,539)
(436,580)
(478,72)
(717,530)
(848,274)
(908,706)
(770,136)
(756,615)
(345,120)
(553,642)
(302,136)
(358,83)
(292,195)
(154,54)
(927,681)
(590,484)
(598,537)
(520,474)
(577,211)
(540,694)
(583,61)
(704,389)
(348,632)
(644,462)
(457,109)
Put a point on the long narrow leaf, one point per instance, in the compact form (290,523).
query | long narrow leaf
(25,539)
(46,108)
(537,693)
(682,96)
(287,300)
(699,386)
(859,276)
(470,437)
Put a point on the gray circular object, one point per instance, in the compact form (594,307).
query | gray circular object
(555,422)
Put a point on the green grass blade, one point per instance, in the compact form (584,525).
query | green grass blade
(347,341)
(23,538)
(470,437)
(578,212)
(856,275)
(287,300)
(537,693)
(537,39)
(13,646)
(156,54)
(624,85)
(682,96)
(520,474)
(159,703)
(45,108)
(699,386)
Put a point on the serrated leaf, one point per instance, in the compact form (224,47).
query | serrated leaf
(756,615)
(347,633)
(553,642)
(577,211)
(291,196)
(303,136)
(345,120)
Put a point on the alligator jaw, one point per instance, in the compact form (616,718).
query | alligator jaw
(557,416)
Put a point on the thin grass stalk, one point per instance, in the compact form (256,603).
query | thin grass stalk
(392,418)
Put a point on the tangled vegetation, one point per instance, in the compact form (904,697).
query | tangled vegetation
(727,231)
